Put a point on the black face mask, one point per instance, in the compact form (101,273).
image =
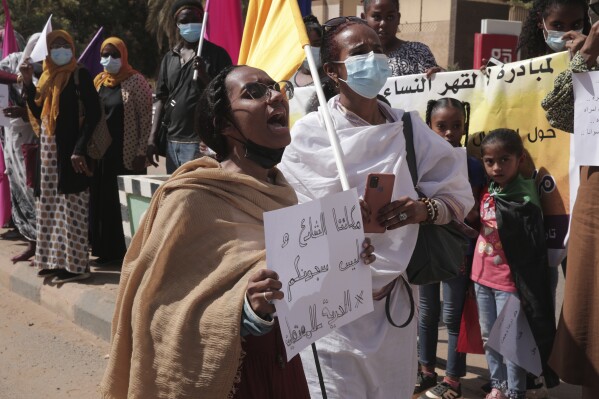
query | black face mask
(266,157)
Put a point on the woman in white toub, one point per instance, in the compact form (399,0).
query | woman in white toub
(369,358)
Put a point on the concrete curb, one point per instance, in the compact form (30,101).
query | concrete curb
(89,303)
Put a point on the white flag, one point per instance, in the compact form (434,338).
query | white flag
(40,51)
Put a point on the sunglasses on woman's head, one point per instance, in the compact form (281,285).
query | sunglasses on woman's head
(335,22)
(260,91)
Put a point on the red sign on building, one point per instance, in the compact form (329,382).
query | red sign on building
(500,47)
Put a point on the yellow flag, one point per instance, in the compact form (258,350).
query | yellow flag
(273,37)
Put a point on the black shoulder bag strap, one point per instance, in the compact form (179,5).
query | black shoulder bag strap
(411,159)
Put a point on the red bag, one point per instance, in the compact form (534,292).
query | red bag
(470,339)
(30,156)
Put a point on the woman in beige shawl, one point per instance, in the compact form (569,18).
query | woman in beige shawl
(193,315)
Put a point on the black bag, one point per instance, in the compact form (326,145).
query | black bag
(440,249)
(162,134)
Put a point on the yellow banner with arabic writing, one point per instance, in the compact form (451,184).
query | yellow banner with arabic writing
(506,97)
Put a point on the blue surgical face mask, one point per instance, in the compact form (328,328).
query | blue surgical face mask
(554,39)
(111,65)
(61,56)
(367,73)
(190,32)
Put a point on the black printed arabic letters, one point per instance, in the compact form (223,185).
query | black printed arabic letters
(531,70)
(536,136)
(421,88)
(548,69)
(456,86)
(500,74)
(513,77)
(549,135)
(522,71)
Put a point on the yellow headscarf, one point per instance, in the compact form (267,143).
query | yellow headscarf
(53,81)
(113,80)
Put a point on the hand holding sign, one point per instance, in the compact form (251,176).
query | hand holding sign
(319,253)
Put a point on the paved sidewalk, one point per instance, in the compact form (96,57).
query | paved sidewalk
(90,304)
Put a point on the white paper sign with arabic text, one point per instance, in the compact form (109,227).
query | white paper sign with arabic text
(586,118)
(512,337)
(315,249)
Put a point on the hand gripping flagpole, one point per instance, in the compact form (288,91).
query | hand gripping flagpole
(328,121)
(201,42)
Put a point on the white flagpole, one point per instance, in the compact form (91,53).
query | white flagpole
(328,121)
(201,42)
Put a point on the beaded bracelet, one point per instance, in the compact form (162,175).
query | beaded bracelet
(432,209)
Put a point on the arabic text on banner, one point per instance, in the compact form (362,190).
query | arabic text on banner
(315,249)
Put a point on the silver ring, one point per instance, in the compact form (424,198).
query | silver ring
(402,216)
(264,295)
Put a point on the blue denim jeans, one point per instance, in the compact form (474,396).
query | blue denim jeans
(454,294)
(179,153)
(490,303)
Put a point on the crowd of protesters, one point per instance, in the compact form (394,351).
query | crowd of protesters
(194,313)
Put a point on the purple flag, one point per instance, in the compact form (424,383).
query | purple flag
(91,55)
(305,7)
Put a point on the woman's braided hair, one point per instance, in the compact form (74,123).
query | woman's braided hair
(532,40)
(448,102)
(212,111)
